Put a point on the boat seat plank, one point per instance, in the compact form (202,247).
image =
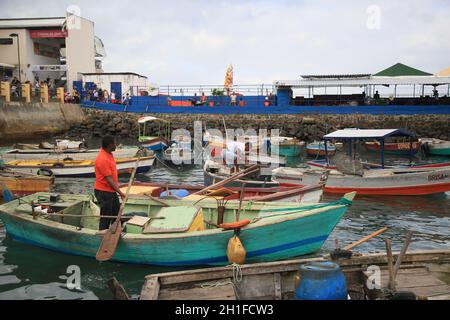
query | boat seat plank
(220,292)
(176,219)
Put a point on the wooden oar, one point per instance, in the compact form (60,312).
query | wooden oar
(112,235)
(365,239)
(236,176)
(241,197)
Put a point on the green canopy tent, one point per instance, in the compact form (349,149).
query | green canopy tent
(399,70)
(402,70)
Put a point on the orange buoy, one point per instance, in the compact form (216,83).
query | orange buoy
(235,225)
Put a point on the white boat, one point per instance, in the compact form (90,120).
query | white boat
(77,168)
(43,154)
(372,182)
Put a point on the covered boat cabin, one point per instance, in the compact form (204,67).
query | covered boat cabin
(354,134)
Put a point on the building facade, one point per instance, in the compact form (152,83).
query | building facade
(39,48)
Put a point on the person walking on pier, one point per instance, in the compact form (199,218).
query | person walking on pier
(106,185)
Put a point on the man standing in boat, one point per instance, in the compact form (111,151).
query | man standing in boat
(106,184)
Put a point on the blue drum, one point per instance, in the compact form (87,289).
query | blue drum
(321,281)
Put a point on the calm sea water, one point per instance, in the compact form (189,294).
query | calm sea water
(28,272)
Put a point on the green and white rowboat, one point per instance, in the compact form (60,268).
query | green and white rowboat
(179,235)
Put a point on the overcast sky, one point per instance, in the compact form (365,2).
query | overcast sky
(192,42)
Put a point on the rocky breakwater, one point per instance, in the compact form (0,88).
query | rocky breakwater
(306,128)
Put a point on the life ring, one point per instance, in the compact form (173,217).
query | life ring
(45,172)
(235,225)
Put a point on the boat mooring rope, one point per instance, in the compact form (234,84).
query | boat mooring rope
(237,278)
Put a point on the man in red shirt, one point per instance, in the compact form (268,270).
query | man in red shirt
(106,184)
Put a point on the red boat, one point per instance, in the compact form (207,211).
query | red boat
(297,193)
(401,148)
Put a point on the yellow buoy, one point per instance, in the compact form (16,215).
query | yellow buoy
(235,251)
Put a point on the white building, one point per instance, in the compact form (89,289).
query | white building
(120,83)
(60,48)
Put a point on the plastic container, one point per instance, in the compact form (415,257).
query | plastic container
(321,281)
(181,193)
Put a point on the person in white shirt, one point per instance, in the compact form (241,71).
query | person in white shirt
(233,98)
(235,154)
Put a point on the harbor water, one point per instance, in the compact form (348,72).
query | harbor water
(28,272)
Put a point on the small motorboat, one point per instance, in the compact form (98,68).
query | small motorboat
(153,142)
(286,146)
(317,148)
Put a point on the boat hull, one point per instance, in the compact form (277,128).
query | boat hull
(210,179)
(156,144)
(145,165)
(22,186)
(379,182)
(51,155)
(297,235)
(439,151)
(394,148)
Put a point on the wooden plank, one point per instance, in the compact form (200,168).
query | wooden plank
(223,292)
(431,291)
(440,297)
(150,289)
(277,285)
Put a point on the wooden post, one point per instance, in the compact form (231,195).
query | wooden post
(402,253)
(391,283)
(26,92)
(44,93)
(5,90)
(60,94)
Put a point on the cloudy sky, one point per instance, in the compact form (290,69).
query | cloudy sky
(192,42)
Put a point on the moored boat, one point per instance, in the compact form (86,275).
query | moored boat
(398,148)
(21,184)
(150,142)
(317,148)
(176,234)
(77,168)
(214,172)
(286,146)
(298,193)
(424,274)
(83,154)
(426,180)
(436,147)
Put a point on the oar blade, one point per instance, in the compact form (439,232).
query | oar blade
(109,243)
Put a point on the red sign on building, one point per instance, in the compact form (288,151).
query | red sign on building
(39,34)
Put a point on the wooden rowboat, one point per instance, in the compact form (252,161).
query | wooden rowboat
(176,234)
(77,168)
(299,194)
(426,274)
(21,184)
